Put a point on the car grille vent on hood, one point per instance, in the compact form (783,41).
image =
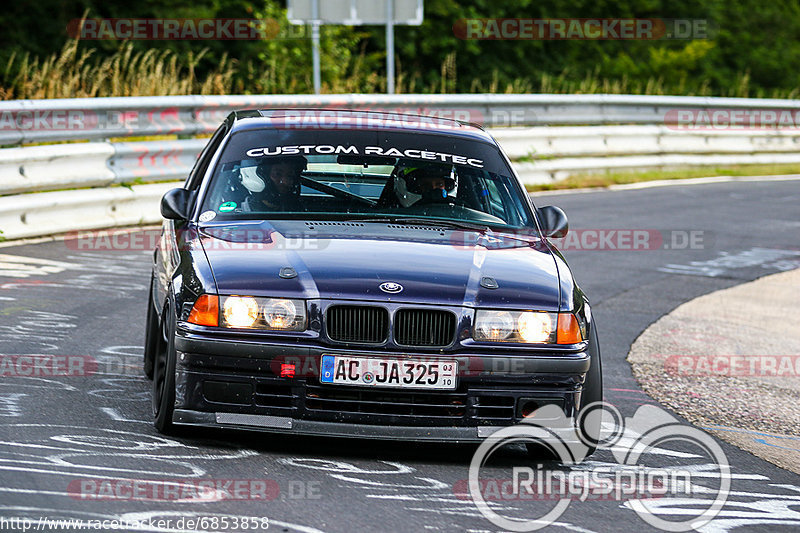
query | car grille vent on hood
(415,228)
(349,224)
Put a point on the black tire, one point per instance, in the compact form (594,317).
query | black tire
(592,394)
(152,336)
(539,452)
(164,376)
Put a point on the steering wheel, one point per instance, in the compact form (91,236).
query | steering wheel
(444,200)
(338,193)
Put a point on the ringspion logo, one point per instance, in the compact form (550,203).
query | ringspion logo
(627,439)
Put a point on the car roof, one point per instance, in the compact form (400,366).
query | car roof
(353,119)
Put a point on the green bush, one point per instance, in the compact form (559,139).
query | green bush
(753,50)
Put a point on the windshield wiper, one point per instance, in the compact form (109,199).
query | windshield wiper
(421,221)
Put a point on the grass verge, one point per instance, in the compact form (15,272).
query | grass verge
(582,181)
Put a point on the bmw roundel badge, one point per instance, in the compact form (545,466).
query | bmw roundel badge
(391,287)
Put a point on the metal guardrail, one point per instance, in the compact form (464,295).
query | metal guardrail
(154,160)
(576,141)
(97,164)
(60,166)
(549,154)
(84,209)
(556,169)
(549,136)
(33,121)
(541,154)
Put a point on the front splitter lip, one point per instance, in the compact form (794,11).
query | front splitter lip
(291,426)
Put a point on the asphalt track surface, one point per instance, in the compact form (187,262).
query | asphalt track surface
(56,432)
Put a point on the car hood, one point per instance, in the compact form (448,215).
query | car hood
(350,260)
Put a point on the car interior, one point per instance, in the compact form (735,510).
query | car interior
(365,185)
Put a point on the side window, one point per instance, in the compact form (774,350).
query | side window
(200,166)
(503,203)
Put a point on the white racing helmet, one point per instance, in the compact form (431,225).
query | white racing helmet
(256,178)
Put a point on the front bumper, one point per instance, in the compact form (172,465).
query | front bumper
(236,383)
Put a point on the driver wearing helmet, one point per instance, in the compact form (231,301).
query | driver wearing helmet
(275,184)
(426,184)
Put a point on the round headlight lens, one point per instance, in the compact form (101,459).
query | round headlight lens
(495,325)
(280,314)
(535,327)
(240,311)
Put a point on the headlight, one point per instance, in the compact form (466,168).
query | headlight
(527,327)
(278,314)
(494,325)
(240,311)
(535,327)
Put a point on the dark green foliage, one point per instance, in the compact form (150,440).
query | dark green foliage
(753,49)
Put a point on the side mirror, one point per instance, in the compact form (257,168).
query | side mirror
(554,221)
(175,204)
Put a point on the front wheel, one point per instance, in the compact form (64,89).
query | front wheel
(539,451)
(164,376)
(152,337)
(590,426)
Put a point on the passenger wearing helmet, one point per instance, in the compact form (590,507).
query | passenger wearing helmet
(275,184)
(426,184)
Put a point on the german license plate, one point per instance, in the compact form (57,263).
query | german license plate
(383,372)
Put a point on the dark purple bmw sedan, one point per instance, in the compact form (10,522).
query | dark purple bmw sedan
(361,274)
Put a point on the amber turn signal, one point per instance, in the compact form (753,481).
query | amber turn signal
(569,331)
(205,311)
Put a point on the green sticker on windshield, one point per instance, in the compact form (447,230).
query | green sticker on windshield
(227,206)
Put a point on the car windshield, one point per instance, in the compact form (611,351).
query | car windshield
(274,174)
